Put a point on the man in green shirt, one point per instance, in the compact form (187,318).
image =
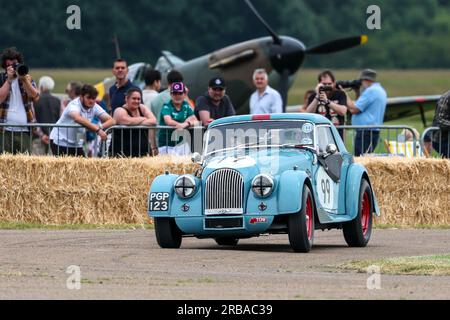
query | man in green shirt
(178,114)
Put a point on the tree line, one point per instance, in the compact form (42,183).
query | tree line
(413,34)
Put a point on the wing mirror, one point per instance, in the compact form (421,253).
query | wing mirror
(331,149)
(197,158)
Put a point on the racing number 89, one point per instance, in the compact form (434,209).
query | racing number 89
(326,189)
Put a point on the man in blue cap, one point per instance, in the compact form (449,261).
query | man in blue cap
(214,104)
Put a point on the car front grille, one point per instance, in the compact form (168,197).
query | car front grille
(224,192)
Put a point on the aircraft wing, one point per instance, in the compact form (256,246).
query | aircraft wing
(400,107)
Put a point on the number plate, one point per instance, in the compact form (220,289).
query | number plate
(159,201)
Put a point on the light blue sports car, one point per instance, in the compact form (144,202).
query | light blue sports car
(266,174)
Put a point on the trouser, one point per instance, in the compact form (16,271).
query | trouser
(15,142)
(66,151)
(366,141)
(443,147)
(39,148)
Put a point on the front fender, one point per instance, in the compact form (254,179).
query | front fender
(163,183)
(290,191)
(355,173)
(177,207)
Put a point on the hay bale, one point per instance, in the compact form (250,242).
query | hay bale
(411,192)
(75,190)
(46,190)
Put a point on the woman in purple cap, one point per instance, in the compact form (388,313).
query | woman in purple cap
(177,114)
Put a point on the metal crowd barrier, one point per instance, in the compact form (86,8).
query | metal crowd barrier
(390,141)
(122,143)
(438,139)
(24,138)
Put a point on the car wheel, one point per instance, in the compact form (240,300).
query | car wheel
(227,241)
(358,231)
(168,235)
(301,225)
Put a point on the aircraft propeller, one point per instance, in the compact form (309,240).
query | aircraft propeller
(287,54)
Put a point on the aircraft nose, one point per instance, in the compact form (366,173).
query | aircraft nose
(289,55)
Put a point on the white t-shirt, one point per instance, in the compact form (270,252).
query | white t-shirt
(16,111)
(74,137)
(148,96)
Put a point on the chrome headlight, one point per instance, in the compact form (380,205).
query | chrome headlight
(185,187)
(262,185)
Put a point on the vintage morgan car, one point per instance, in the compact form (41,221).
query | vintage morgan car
(266,174)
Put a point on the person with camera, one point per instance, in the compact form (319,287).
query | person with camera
(17,93)
(328,101)
(368,110)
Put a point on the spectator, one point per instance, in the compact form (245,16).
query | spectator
(214,104)
(264,100)
(178,114)
(308,94)
(152,87)
(441,140)
(48,110)
(132,142)
(93,140)
(69,141)
(118,91)
(332,104)
(17,94)
(73,91)
(159,101)
(368,110)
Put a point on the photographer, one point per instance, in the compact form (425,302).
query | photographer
(17,94)
(328,101)
(368,110)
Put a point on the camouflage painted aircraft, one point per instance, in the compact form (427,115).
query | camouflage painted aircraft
(281,56)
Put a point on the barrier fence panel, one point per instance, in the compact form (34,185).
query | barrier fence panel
(437,139)
(137,141)
(34,139)
(382,140)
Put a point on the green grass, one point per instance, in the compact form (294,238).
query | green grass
(434,265)
(63,76)
(420,226)
(32,226)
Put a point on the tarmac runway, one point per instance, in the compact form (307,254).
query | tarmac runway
(130,265)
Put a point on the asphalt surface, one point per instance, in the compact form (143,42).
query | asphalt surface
(130,265)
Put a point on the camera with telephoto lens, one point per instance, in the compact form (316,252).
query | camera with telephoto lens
(325,88)
(354,84)
(21,69)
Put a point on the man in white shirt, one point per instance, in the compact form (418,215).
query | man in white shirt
(70,141)
(265,100)
(17,94)
(152,87)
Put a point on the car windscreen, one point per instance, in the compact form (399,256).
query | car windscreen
(258,134)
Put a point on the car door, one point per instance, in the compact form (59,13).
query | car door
(329,172)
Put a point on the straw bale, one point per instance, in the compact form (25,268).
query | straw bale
(48,190)
(411,192)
